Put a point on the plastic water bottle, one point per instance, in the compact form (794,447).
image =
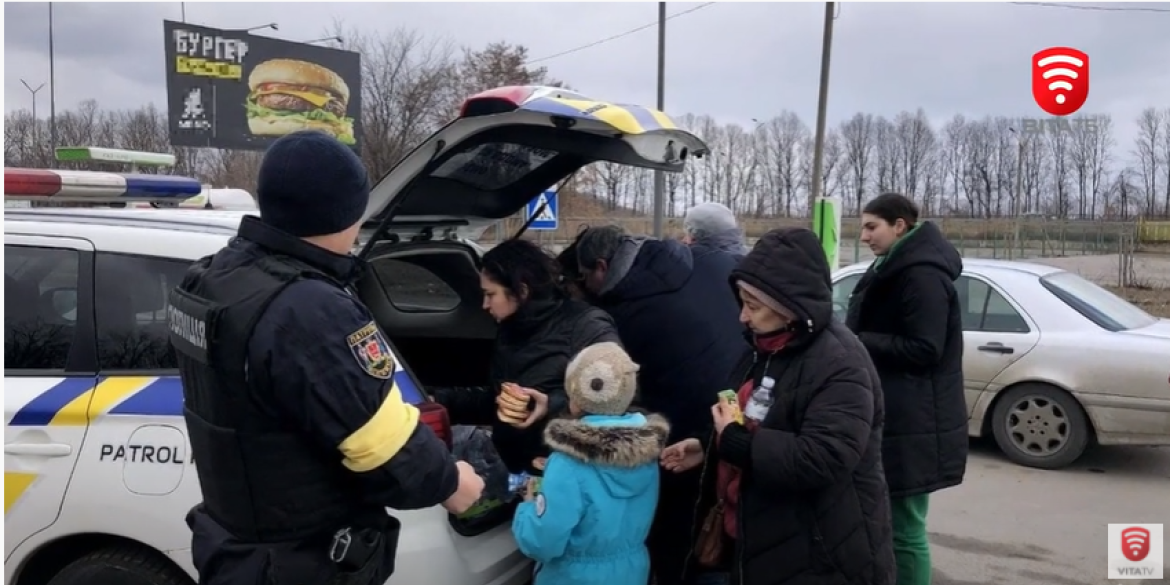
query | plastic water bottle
(760,401)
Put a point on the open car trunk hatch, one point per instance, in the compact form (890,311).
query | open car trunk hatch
(509,145)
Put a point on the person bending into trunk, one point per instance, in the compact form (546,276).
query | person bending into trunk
(906,311)
(794,492)
(587,521)
(539,332)
(676,319)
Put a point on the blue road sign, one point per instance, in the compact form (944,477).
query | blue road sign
(547,220)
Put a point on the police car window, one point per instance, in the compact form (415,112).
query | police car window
(411,287)
(130,297)
(40,306)
(493,166)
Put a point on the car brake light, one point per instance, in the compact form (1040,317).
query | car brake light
(435,416)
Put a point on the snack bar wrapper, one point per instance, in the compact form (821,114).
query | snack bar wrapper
(730,397)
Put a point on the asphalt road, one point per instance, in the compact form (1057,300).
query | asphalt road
(1011,525)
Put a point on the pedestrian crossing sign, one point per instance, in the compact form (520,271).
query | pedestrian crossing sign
(544,207)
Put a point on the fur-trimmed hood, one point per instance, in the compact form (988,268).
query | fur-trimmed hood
(626,441)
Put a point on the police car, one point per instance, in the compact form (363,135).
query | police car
(98,473)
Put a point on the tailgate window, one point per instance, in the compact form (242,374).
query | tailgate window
(494,165)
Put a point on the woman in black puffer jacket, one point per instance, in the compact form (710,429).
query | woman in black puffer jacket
(801,495)
(540,331)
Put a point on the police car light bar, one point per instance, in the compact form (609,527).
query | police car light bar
(95,187)
(115,155)
(511,97)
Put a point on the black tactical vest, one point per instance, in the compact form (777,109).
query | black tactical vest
(260,480)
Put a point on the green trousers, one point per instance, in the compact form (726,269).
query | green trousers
(911,547)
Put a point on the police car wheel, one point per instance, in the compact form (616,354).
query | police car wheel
(121,565)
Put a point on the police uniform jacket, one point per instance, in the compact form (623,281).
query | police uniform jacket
(297,424)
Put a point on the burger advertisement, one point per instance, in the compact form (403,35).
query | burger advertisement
(234,90)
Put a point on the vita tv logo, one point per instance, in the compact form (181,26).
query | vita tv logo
(1136,551)
(1060,80)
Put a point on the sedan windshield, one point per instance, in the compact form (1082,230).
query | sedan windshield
(1098,305)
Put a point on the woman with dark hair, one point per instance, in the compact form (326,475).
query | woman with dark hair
(540,330)
(906,312)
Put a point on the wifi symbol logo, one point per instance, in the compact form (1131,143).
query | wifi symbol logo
(1060,80)
(1135,543)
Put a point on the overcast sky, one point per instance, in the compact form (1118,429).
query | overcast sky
(732,61)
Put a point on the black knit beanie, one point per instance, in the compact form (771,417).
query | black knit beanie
(311,184)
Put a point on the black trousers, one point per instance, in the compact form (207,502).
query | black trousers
(672,534)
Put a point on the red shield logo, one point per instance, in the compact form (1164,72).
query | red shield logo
(373,350)
(1060,80)
(1135,543)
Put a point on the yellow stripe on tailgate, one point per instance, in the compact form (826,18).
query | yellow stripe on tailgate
(616,116)
(663,119)
(91,404)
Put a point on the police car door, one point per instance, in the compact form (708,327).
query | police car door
(48,339)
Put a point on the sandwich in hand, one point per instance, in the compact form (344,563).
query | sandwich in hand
(289,95)
(512,404)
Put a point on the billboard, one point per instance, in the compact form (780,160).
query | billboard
(232,89)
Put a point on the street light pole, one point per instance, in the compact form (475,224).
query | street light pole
(34,95)
(659,177)
(52,90)
(822,109)
(36,122)
(271,25)
(336,39)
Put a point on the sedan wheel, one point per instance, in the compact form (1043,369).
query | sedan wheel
(1040,426)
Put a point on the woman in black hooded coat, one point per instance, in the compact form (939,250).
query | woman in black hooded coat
(800,480)
(906,312)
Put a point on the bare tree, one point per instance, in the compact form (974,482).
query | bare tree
(954,157)
(1059,145)
(496,65)
(407,92)
(1165,162)
(1148,142)
(857,136)
(781,142)
(612,178)
(916,143)
(887,149)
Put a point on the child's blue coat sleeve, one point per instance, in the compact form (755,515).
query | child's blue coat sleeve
(542,529)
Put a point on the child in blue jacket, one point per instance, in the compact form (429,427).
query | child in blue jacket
(587,522)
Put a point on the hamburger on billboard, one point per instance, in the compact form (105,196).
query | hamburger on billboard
(232,89)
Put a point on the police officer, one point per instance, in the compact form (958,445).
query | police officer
(298,429)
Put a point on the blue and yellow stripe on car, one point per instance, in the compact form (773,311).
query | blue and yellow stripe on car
(80,401)
(625,118)
(16,483)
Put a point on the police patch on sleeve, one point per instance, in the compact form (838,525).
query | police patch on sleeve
(371,351)
(541,505)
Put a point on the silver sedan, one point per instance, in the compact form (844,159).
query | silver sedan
(1052,362)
